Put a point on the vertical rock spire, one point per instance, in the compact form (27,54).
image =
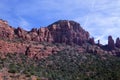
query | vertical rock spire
(111,44)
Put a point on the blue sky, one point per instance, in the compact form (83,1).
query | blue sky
(100,17)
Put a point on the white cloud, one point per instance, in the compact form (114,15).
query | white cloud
(24,24)
(103,20)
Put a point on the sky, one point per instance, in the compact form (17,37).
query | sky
(100,18)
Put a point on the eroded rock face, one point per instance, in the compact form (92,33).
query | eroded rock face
(9,47)
(62,31)
(68,32)
(20,41)
(111,44)
(6,31)
(20,33)
(40,51)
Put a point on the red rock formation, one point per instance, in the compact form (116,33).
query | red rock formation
(68,32)
(117,44)
(62,31)
(9,47)
(91,41)
(111,44)
(6,31)
(20,33)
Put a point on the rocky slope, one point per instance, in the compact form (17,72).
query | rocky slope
(67,64)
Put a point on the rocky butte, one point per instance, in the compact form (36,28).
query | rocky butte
(18,40)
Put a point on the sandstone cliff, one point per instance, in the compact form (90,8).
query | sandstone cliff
(18,40)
